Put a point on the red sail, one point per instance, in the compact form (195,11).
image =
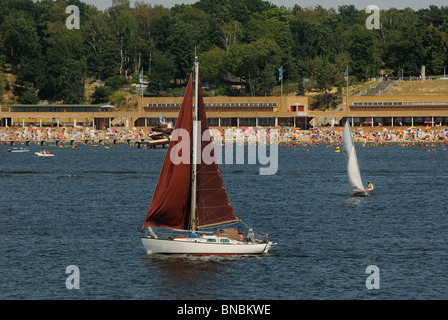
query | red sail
(170,206)
(212,203)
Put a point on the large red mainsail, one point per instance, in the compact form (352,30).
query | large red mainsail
(171,204)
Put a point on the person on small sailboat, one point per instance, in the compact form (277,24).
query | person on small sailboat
(370,185)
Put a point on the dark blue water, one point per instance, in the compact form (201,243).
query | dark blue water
(85,207)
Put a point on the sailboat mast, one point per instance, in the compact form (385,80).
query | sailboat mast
(195,147)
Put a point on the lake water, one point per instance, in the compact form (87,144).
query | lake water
(85,207)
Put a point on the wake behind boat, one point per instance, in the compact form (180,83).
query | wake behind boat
(353,172)
(191,196)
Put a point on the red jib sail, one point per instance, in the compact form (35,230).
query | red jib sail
(212,204)
(170,207)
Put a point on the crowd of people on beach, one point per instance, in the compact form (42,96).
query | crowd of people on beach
(65,133)
(284,136)
(378,136)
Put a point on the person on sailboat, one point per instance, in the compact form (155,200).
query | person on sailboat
(251,235)
(370,185)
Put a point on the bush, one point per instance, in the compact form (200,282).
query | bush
(116,82)
(324,101)
(101,95)
(221,91)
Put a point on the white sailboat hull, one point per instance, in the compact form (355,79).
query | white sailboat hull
(198,247)
(362,193)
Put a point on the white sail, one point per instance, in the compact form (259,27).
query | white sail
(353,173)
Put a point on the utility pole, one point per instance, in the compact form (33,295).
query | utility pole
(280,75)
(346,79)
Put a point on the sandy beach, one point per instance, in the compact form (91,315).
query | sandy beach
(323,136)
(371,136)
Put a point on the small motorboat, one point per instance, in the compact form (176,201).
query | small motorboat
(19,150)
(44,154)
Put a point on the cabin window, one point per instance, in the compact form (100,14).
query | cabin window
(224,240)
(211,240)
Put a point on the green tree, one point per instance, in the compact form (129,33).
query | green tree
(125,36)
(435,46)
(213,64)
(29,95)
(3,82)
(231,33)
(257,63)
(162,71)
(275,25)
(102,52)
(64,61)
(19,39)
(306,37)
(160,30)
(72,82)
(182,49)
(101,94)
(225,11)
(326,74)
(404,51)
(364,53)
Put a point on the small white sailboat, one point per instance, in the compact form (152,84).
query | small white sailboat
(353,172)
(190,197)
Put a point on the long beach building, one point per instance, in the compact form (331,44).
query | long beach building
(292,111)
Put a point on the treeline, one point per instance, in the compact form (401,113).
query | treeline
(246,39)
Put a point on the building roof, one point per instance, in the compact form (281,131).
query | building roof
(60,106)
